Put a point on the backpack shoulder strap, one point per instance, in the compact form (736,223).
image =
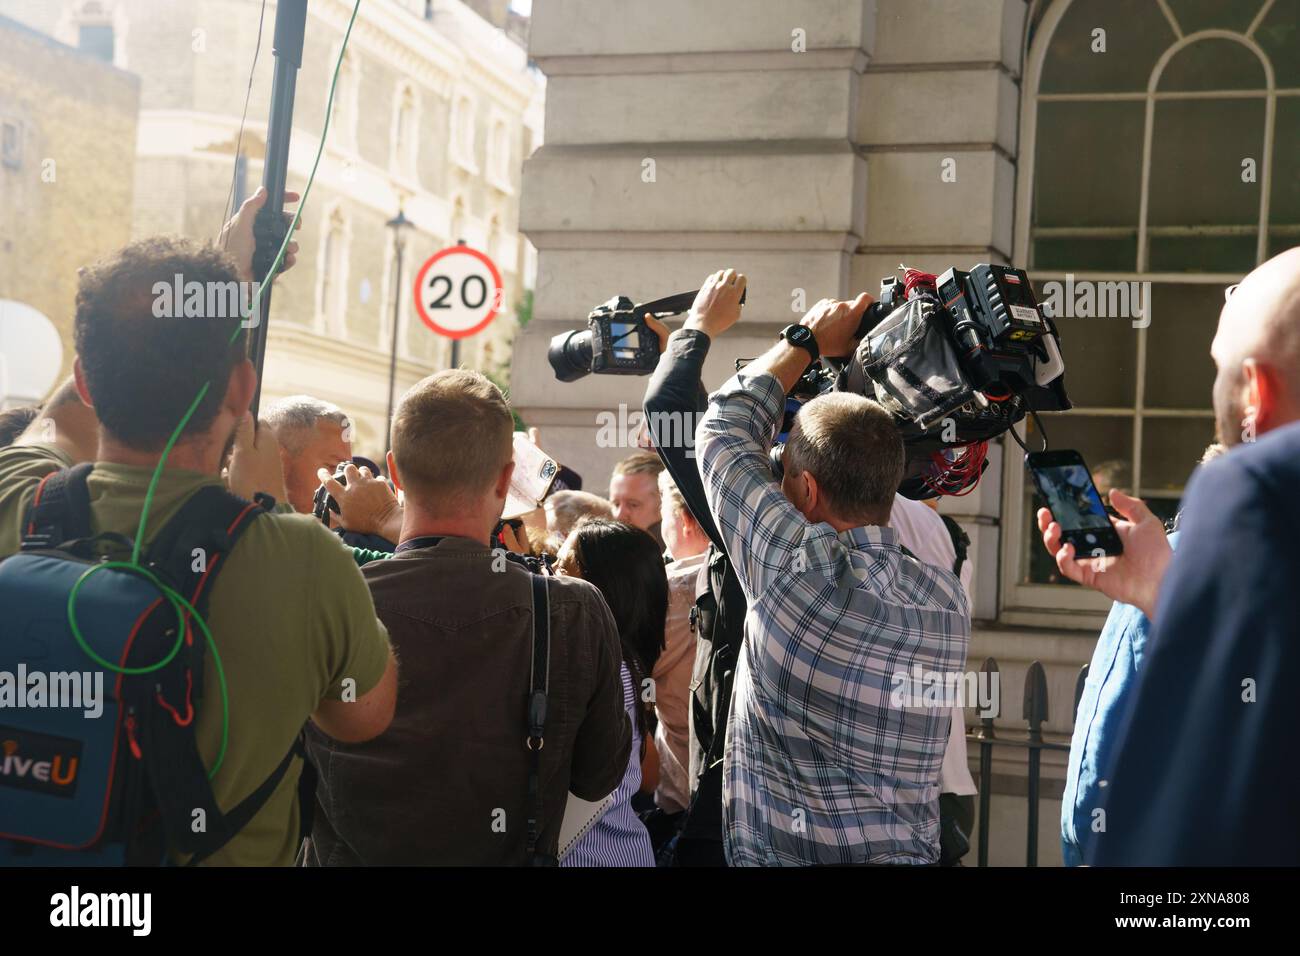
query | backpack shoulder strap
(60,510)
(538,684)
(190,548)
(960,541)
(190,551)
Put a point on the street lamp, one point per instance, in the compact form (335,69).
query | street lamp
(399,224)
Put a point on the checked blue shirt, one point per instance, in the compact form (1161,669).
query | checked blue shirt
(824,762)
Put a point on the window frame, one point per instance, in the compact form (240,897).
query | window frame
(405,167)
(1063,605)
(333,321)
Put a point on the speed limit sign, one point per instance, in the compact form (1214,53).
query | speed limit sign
(458,292)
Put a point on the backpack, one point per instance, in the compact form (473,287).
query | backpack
(128,785)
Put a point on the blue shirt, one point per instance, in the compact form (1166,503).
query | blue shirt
(1111,675)
(824,762)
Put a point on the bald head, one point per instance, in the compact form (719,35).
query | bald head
(1257,351)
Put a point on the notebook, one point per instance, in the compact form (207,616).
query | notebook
(579,817)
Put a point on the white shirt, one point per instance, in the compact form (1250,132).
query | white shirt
(922,531)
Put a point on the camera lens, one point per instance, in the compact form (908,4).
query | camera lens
(570,355)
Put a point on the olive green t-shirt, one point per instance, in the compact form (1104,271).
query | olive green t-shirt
(291,616)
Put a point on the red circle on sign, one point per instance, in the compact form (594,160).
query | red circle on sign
(419,299)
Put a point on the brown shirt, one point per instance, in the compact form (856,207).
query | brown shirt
(447,783)
(672,677)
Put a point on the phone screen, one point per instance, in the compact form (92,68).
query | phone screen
(1072,498)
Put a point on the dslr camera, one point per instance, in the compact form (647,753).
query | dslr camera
(322,503)
(617,340)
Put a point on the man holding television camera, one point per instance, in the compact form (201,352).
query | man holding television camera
(822,767)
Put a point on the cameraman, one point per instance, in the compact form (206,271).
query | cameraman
(313,434)
(676,395)
(821,766)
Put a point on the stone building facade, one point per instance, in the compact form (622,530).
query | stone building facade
(435,110)
(68,131)
(817,144)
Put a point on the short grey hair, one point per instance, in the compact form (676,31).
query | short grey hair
(292,419)
(852,447)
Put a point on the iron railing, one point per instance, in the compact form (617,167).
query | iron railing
(1034,714)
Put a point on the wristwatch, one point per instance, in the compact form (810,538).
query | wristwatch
(802,337)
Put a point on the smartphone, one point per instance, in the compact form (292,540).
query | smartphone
(1066,489)
(535,472)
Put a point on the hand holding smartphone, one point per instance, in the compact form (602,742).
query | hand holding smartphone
(1067,490)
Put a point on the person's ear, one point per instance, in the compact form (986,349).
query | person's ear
(240,389)
(503,480)
(812,494)
(392,470)
(82,391)
(1265,394)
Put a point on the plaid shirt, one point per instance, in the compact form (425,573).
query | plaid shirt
(822,766)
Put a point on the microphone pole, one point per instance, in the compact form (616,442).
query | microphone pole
(290,28)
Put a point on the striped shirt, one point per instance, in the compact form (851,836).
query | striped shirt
(824,763)
(619,838)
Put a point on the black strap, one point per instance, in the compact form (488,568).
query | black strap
(190,551)
(539,681)
(246,809)
(61,510)
(960,542)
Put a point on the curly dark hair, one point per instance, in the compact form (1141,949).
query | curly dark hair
(144,365)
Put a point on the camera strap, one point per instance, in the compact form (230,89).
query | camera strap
(674,304)
(539,681)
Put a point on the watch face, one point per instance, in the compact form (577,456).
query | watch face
(798,334)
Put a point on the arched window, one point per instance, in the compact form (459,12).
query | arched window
(462,133)
(1158,164)
(499,155)
(332,275)
(347,91)
(95,34)
(406,132)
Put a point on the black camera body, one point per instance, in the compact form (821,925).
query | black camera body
(322,503)
(993,314)
(617,341)
(958,360)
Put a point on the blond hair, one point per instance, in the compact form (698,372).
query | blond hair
(452,434)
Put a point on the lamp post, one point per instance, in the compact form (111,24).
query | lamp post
(398,224)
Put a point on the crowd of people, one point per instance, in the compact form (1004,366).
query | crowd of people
(699,668)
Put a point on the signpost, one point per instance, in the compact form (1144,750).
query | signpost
(458,293)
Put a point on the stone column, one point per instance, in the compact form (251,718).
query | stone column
(813,144)
(682,138)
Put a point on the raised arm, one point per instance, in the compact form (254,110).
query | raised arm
(674,402)
(760,527)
